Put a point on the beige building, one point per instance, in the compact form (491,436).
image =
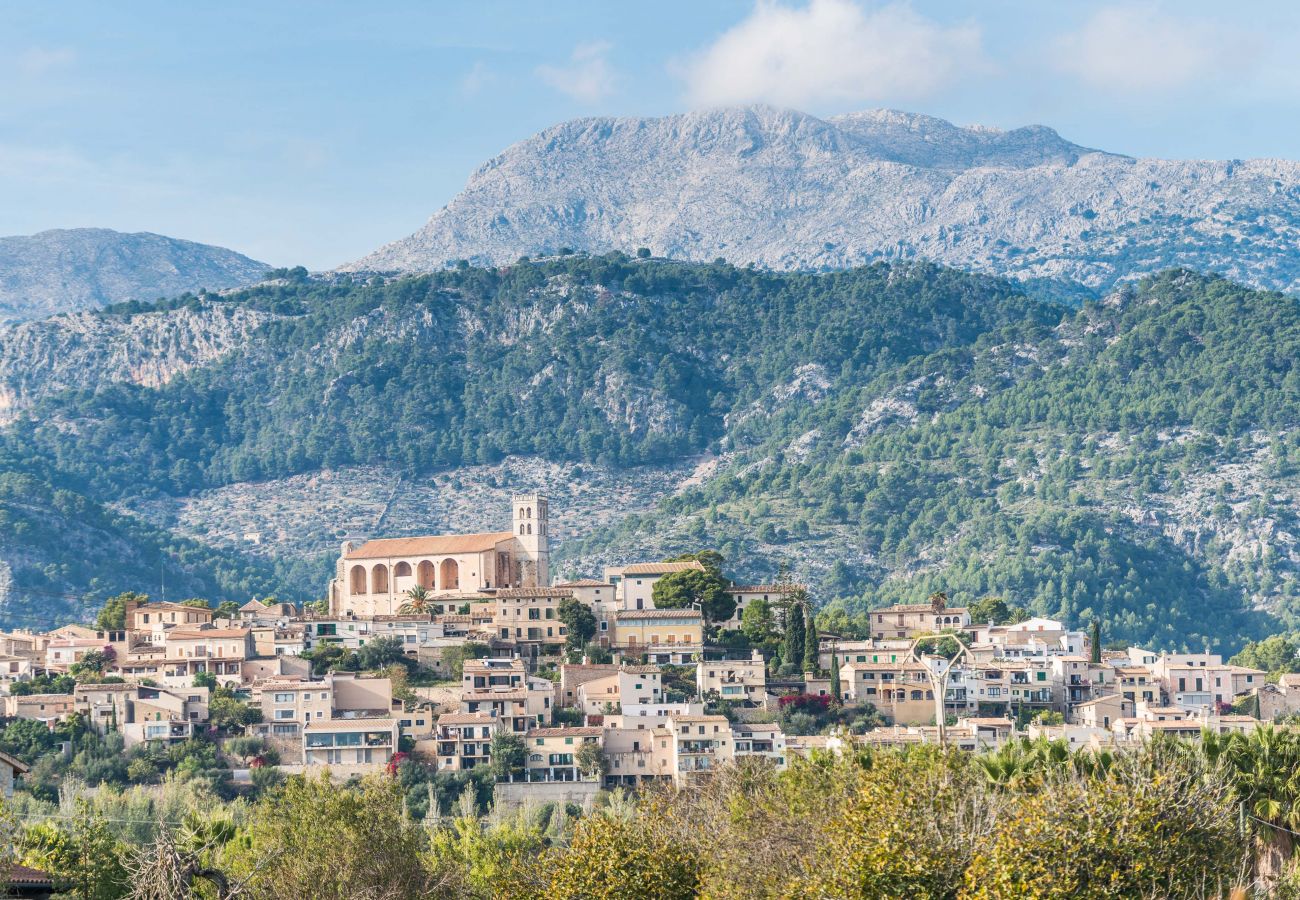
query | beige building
(645,629)
(530,616)
(464,740)
(220,651)
(630,685)
(901,692)
(700,744)
(906,621)
(372,578)
(637,756)
(350,745)
(153,618)
(41,707)
(739,681)
(552,753)
(635,583)
(143,714)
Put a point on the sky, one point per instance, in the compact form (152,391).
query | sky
(312,133)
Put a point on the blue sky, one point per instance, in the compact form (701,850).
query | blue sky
(313,132)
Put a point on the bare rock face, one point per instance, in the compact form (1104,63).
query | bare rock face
(86,268)
(786,190)
(83,351)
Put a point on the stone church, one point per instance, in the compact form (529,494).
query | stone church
(372,578)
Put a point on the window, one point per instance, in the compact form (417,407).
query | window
(284,714)
(284,698)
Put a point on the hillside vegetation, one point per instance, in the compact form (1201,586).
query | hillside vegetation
(887,430)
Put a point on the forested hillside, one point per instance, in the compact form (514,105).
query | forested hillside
(886,430)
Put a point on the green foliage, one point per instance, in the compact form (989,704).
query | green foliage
(454,657)
(230,713)
(579,621)
(695,589)
(508,756)
(1275,654)
(112,616)
(45,683)
(311,839)
(612,858)
(381,652)
(995,610)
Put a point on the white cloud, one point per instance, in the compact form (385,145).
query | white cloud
(587,78)
(1139,47)
(478,79)
(831,53)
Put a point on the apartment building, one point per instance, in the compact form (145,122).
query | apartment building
(699,745)
(350,744)
(738,681)
(552,753)
(909,620)
(143,714)
(464,739)
(630,685)
(219,651)
(635,584)
(530,617)
(901,691)
(658,630)
(46,708)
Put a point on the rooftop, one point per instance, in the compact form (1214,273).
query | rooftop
(663,568)
(432,545)
(635,614)
(576,731)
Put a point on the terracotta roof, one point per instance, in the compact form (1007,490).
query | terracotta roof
(485,695)
(663,568)
(576,731)
(525,593)
(432,545)
(13,762)
(764,588)
(25,876)
(478,718)
(642,670)
(386,722)
(178,634)
(633,614)
(585,582)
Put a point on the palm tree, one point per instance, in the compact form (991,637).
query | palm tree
(417,601)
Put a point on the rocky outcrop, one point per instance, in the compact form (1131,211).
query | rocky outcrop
(86,268)
(87,350)
(790,191)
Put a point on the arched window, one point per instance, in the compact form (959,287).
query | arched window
(530,529)
(402,570)
(358,579)
(448,575)
(521,529)
(379,579)
(521,512)
(530,513)
(424,575)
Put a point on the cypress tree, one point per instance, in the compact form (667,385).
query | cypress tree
(810,648)
(835,679)
(1095,639)
(794,636)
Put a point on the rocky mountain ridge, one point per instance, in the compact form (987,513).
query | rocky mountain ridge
(786,190)
(67,270)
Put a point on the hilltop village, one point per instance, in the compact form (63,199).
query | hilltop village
(459,651)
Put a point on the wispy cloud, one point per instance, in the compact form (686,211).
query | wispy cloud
(831,53)
(37,61)
(1141,47)
(588,77)
(478,79)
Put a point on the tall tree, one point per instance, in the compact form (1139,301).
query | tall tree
(836,690)
(811,651)
(579,622)
(1095,639)
(794,634)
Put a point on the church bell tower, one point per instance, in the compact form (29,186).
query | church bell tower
(531,526)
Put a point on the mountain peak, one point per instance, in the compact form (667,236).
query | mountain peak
(787,190)
(68,269)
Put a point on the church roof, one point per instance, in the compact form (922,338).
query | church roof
(432,545)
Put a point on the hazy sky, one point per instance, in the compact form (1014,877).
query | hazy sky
(313,132)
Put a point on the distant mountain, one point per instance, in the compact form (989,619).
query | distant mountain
(787,190)
(85,268)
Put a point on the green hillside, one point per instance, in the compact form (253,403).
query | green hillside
(886,430)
